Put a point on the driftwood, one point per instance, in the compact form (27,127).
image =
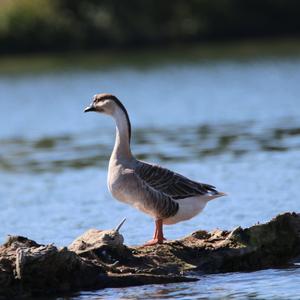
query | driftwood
(99,259)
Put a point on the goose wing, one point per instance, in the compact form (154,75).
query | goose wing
(154,201)
(172,183)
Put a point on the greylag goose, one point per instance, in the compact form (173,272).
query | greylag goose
(163,194)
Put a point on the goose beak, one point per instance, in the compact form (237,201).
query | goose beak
(90,108)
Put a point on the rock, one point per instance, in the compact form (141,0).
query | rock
(98,240)
(95,239)
(104,247)
(99,259)
(33,269)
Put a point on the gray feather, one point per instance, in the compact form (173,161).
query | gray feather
(170,183)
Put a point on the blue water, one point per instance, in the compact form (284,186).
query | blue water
(234,124)
(268,284)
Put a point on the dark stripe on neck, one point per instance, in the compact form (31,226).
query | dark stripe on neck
(120,104)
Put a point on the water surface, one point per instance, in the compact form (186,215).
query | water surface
(231,123)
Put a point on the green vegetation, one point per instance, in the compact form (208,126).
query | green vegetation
(149,57)
(56,25)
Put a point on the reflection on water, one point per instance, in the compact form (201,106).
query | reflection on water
(55,154)
(234,124)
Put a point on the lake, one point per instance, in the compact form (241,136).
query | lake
(230,121)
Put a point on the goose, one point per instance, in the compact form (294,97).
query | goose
(166,196)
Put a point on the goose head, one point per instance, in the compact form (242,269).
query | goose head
(110,105)
(104,103)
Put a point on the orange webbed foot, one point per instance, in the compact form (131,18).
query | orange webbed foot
(153,242)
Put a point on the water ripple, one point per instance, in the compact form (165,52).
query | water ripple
(177,144)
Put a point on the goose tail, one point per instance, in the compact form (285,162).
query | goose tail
(216,195)
(221,194)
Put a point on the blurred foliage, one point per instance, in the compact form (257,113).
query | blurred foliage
(53,25)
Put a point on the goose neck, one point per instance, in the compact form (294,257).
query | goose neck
(122,142)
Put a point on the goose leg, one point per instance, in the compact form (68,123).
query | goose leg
(158,237)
